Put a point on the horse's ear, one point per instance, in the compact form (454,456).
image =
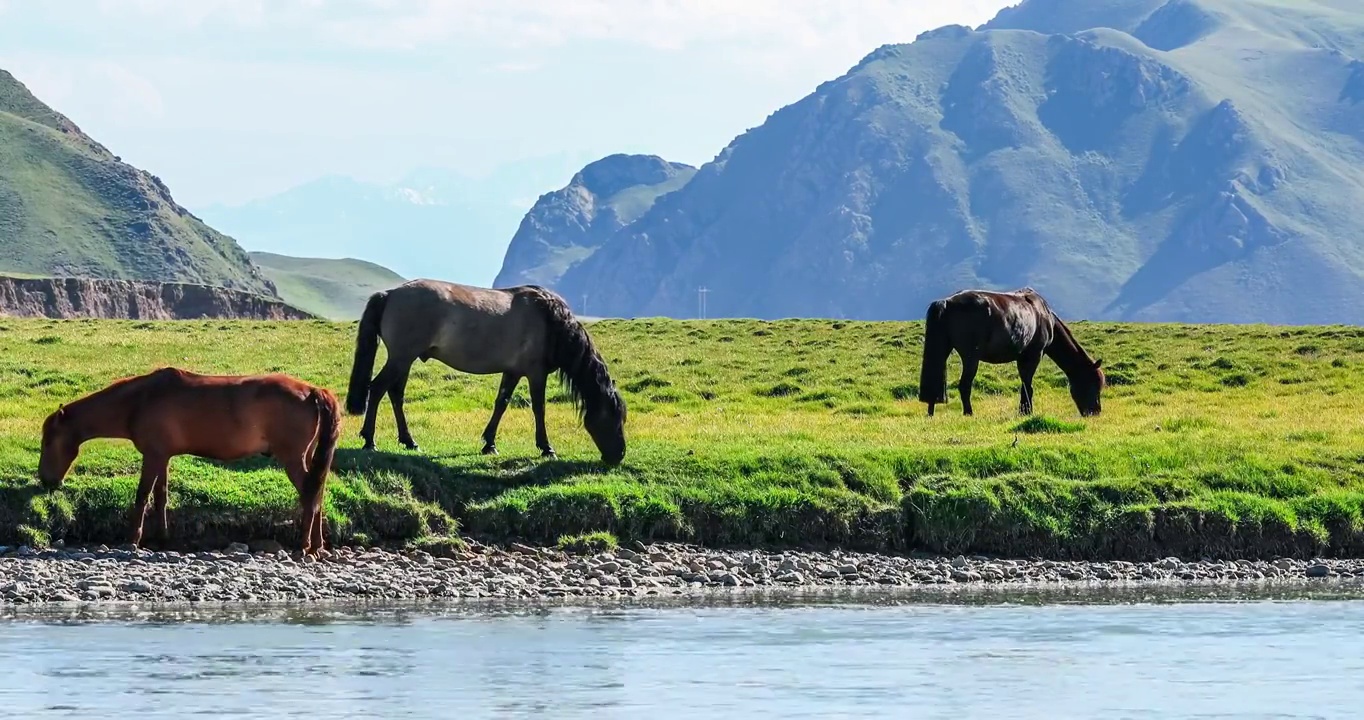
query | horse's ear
(1098,363)
(61,411)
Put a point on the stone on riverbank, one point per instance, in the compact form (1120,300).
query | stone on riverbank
(523,572)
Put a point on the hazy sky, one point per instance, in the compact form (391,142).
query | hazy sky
(229,100)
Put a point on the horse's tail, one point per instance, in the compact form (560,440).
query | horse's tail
(569,350)
(328,435)
(933,366)
(366,347)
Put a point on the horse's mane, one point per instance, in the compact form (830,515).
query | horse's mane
(570,351)
(1064,329)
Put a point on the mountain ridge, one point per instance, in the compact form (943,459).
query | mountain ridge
(69,207)
(567,225)
(1057,146)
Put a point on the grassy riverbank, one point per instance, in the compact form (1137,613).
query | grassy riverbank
(1240,441)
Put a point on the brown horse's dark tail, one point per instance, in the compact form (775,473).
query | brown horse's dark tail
(328,435)
(933,366)
(366,348)
(313,493)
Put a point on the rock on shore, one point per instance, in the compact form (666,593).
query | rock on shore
(519,572)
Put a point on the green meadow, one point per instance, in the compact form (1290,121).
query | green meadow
(1224,441)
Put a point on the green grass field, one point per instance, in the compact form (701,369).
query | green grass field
(1215,440)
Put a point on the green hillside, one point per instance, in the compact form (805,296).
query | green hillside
(335,289)
(69,207)
(1214,440)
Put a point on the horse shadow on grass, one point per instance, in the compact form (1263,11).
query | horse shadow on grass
(15,507)
(451,486)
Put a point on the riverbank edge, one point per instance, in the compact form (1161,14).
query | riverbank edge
(1015,516)
(401,610)
(522,573)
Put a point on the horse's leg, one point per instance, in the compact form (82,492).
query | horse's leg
(160,494)
(377,390)
(319,524)
(294,467)
(152,467)
(537,406)
(395,398)
(504,396)
(1027,368)
(969,365)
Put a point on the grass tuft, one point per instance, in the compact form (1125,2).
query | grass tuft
(1043,424)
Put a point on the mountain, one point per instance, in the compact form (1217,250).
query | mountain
(569,224)
(1189,160)
(333,289)
(69,207)
(432,222)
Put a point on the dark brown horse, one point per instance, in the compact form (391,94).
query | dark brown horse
(171,412)
(521,332)
(997,328)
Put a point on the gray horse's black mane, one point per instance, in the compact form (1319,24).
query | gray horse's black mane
(571,353)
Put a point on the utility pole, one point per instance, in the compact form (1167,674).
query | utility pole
(701,300)
(584,310)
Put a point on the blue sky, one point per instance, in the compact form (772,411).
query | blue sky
(230,100)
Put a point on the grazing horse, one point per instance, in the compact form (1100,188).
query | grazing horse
(520,332)
(998,328)
(171,412)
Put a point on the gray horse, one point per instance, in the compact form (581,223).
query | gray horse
(520,332)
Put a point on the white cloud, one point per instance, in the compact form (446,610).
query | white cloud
(799,25)
(230,99)
(128,95)
(114,91)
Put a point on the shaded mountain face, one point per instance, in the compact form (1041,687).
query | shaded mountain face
(1189,160)
(566,226)
(69,207)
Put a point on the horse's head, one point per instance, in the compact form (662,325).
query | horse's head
(605,422)
(60,446)
(1086,387)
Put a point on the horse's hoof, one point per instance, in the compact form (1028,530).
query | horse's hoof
(411,446)
(548,455)
(490,449)
(369,446)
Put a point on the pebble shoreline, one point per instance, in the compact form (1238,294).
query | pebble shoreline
(518,572)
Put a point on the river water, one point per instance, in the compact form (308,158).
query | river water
(1006,657)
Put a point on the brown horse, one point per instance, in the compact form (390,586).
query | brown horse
(998,328)
(171,412)
(520,332)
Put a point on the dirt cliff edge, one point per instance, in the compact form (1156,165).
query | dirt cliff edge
(132,299)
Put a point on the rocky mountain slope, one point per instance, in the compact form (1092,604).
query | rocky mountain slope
(333,289)
(128,299)
(569,224)
(69,207)
(1193,160)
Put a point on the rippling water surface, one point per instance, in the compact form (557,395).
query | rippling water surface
(1268,659)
